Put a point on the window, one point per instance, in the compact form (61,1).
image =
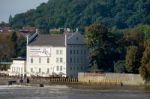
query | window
(81,61)
(31,60)
(70,60)
(47,60)
(57,60)
(77,68)
(47,70)
(77,60)
(70,51)
(60,51)
(77,51)
(81,68)
(74,60)
(84,51)
(39,60)
(39,70)
(57,68)
(81,52)
(31,69)
(57,52)
(74,52)
(60,68)
(61,60)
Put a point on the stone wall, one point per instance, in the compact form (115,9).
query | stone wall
(111,78)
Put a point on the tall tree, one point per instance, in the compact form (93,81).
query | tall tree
(100,42)
(145,62)
(14,40)
(21,46)
(131,59)
(10,19)
(6,48)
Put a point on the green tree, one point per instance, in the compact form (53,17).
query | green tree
(145,61)
(6,48)
(100,42)
(21,46)
(145,29)
(10,19)
(14,39)
(131,62)
(134,36)
(119,66)
(80,13)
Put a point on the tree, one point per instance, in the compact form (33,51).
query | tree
(119,66)
(131,62)
(145,29)
(145,62)
(14,40)
(21,46)
(10,19)
(100,41)
(6,48)
(80,13)
(134,37)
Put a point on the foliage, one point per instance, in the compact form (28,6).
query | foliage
(101,42)
(21,47)
(11,46)
(6,48)
(131,61)
(145,62)
(119,66)
(80,13)
(145,29)
(134,37)
(14,41)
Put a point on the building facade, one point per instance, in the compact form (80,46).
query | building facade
(17,68)
(63,55)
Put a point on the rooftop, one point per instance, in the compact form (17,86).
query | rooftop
(48,40)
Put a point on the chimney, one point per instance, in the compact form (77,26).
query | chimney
(77,29)
(65,39)
(37,30)
(27,37)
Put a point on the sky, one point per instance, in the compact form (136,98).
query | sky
(12,7)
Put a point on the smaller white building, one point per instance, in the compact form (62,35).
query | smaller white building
(17,68)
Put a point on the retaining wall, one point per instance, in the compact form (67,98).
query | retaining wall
(113,78)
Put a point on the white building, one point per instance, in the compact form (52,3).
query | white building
(17,67)
(64,55)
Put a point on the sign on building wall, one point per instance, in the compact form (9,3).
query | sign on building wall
(39,52)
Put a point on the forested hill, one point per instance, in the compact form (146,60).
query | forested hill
(118,14)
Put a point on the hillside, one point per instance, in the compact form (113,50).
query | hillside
(118,14)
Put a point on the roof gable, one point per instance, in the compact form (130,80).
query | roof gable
(76,38)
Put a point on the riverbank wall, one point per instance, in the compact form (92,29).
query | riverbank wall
(102,79)
(111,78)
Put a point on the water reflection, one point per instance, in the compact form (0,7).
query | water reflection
(64,92)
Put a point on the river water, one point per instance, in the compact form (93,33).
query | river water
(64,92)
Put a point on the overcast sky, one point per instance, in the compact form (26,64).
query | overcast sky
(12,7)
